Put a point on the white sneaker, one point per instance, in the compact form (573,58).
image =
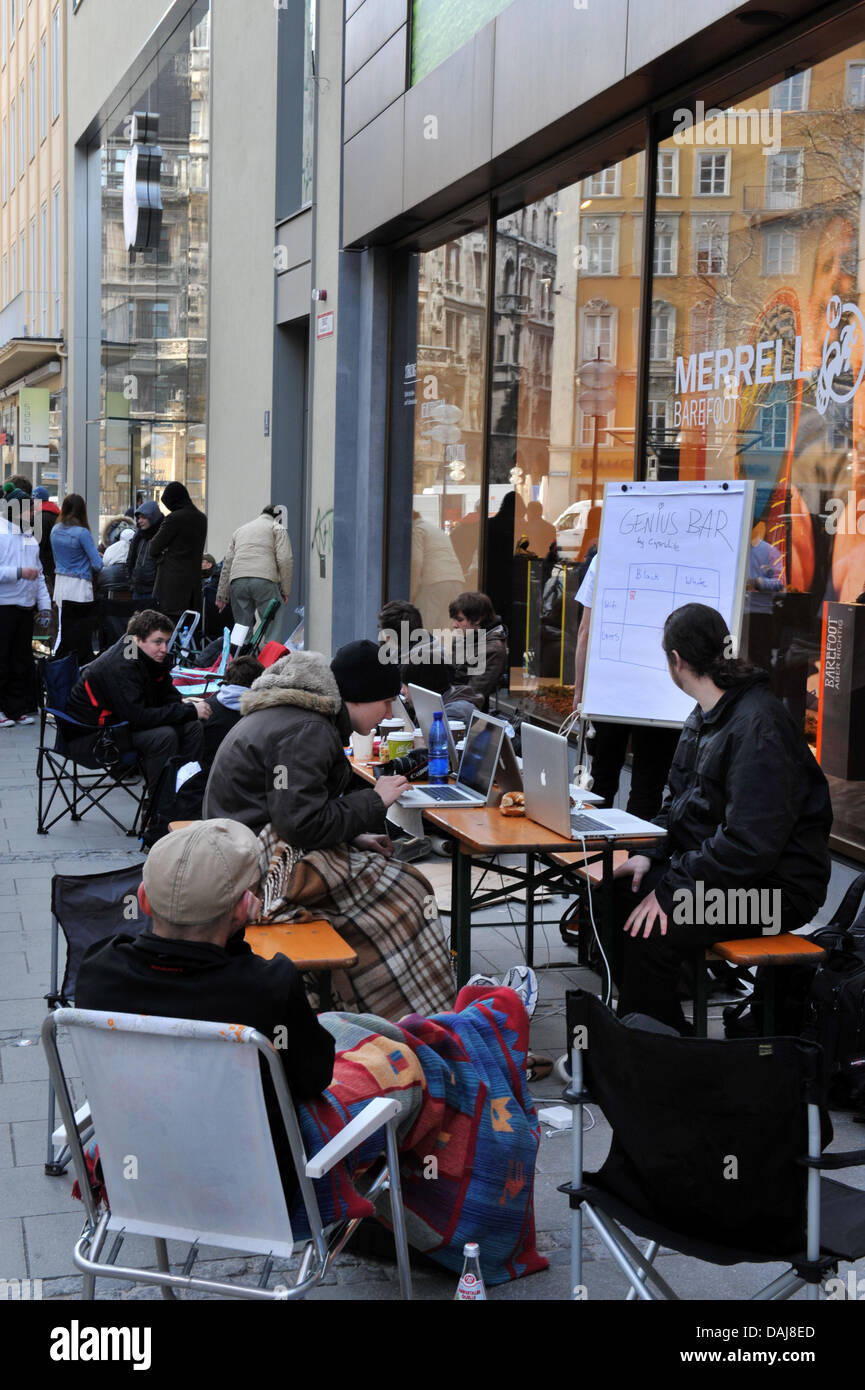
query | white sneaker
(25,719)
(524,982)
(483,980)
(6,723)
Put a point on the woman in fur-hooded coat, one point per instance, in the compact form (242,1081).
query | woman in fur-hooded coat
(282,771)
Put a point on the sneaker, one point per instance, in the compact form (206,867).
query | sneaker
(524,982)
(6,723)
(486,981)
(25,719)
(411,848)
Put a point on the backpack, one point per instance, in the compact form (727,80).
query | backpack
(169,803)
(825,1004)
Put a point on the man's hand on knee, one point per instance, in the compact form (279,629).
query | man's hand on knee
(645,916)
(637,866)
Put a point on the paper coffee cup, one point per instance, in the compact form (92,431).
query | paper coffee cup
(399,744)
(361,747)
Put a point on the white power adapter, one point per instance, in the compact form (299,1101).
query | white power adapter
(557,1117)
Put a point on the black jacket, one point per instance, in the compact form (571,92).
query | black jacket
(173,978)
(747,804)
(284,762)
(121,686)
(178,548)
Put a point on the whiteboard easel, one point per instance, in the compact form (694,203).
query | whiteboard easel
(661,545)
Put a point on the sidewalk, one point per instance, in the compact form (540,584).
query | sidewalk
(39,1221)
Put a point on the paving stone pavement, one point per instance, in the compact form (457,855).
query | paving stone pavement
(39,1220)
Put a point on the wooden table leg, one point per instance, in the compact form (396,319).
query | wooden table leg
(461,914)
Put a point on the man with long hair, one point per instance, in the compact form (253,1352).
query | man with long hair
(747,816)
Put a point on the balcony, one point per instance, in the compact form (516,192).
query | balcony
(28,316)
(512,303)
(761,199)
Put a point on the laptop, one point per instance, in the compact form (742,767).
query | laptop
(488,768)
(426,704)
(546,769)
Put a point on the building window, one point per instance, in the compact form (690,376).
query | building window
(5,299)
(43,262)
(792,93)
(602,247)
(855,93)
(603,185)
(784,179)
(55,268)
(32,108)
(22,261)
(4,155)
(195,126)
(32,314)
(55,64)
(710,249)
(13,144)
(598,335)
(664,255)
(657,418)
(22,123)
(713,172)
(780,252)
(2,34)
(773,426)
(699,328)
(13,265)
(43,91)
(587,430)
(663,332)
(668,173)
(11,21)
(454,332)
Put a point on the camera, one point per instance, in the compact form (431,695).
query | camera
(411,765)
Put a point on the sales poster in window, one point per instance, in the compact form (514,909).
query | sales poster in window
(766,215)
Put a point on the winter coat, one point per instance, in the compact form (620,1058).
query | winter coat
(120,686)
(142,570)
(747,804)
(109,531)
(19,550)
(47,516)
(177,548)
(284,762)
(479,687)
(433,559)
(259,550)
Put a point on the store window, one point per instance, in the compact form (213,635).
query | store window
(764,380)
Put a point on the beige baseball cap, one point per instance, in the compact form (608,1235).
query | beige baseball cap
(198,873)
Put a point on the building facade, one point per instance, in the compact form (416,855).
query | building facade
(606,258)
(32,242)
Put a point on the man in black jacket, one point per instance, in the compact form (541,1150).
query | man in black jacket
(131,682)
(194,962)
(747,816)
(178,548)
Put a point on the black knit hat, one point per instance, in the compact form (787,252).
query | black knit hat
(362,678)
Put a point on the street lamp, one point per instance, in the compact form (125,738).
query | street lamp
(597,396)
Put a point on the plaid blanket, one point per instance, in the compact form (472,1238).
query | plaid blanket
(468,1133)
(384,909)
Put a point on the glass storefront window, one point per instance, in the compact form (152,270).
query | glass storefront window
(154,303)
(756,364)
(449,374)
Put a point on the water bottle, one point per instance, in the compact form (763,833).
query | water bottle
(471,1283)
(438,750)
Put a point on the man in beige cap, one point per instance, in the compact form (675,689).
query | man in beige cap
(193,962)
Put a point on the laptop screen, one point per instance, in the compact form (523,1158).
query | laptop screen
(480,755)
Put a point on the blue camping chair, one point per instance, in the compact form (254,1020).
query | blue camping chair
(108,767)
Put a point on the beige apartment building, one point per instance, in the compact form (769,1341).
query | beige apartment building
(32,256)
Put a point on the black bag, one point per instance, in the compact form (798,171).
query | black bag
(111,743)
(168,803)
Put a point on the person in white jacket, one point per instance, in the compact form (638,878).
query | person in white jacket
(22,589)
(258,567)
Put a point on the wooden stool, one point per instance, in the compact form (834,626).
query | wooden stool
(772,951)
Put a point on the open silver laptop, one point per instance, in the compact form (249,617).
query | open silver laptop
(546,768)
(426,704)
(487,769)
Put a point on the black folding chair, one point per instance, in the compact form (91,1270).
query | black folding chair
(256,641)
(716,1154)
(79,782)
(87,908)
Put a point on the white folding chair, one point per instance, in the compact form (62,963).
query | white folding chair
(187,1153)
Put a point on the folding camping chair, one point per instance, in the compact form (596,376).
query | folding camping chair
(87,908)
(59,769)
(682,1110)
(253,646)
(186,1101)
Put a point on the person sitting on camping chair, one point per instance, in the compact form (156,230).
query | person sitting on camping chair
(131,682)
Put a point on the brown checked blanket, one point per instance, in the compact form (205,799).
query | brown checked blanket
(384,909)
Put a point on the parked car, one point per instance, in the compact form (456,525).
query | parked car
(571,527)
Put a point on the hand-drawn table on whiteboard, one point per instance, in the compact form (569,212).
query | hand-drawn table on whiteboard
(662,545)
(632,619)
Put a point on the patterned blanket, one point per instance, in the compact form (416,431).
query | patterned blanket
(468,1133)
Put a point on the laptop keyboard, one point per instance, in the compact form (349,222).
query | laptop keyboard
(589,825)
(445,794)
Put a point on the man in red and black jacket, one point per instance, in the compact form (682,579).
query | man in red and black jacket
(131,682)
